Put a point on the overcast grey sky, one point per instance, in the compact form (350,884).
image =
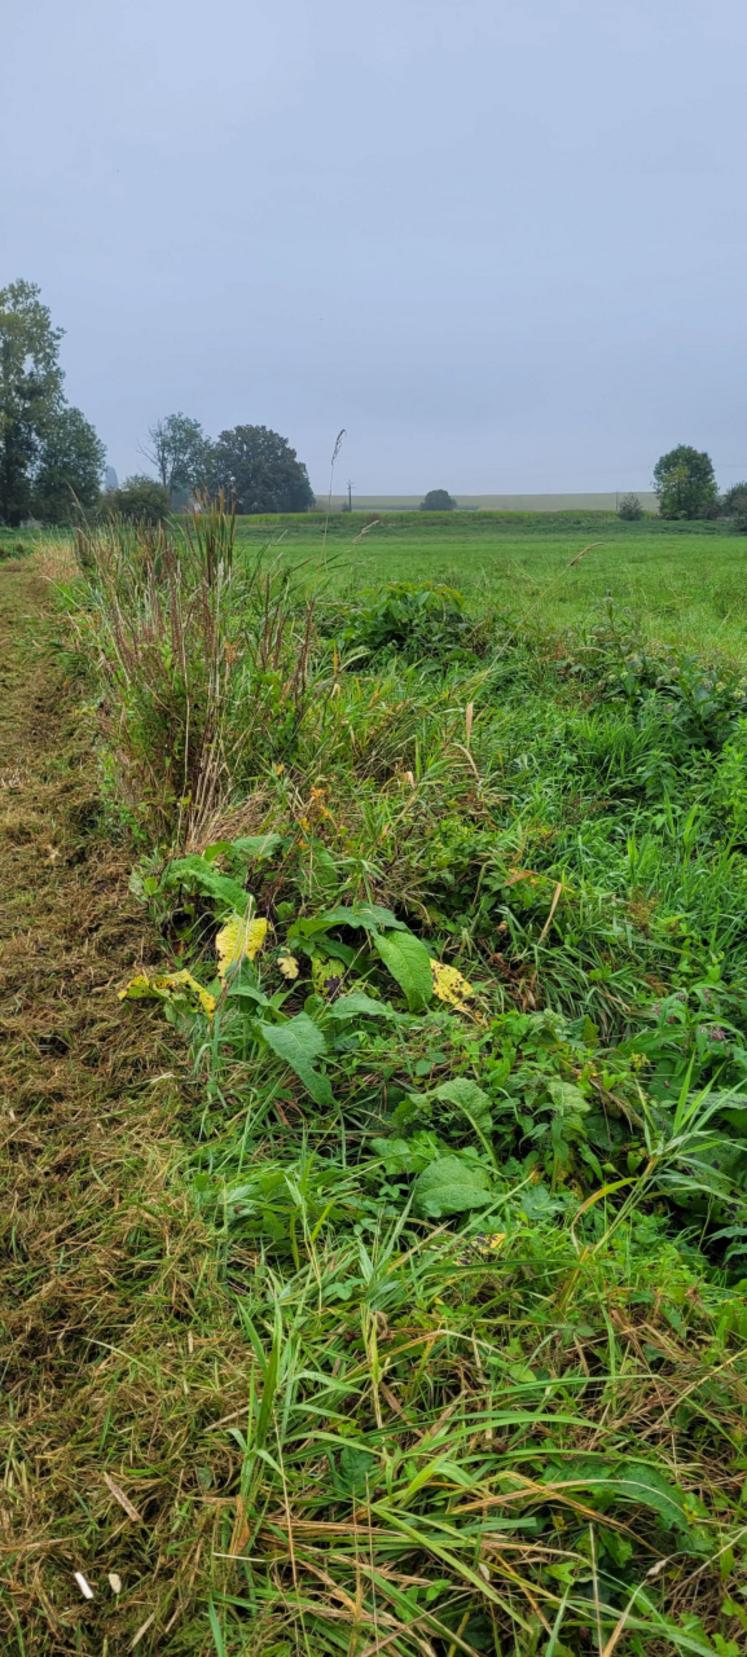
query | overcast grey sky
(503,242)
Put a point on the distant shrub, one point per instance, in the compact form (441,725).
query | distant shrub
(733,499)
(630,508)
(140,499)
(438,500)
(733,505)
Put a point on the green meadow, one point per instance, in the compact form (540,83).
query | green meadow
(681,582)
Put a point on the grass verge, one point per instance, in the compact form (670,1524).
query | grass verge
(460,1110)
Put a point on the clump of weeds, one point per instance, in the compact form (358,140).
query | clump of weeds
(452,937)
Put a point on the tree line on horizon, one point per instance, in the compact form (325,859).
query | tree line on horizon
(52,460)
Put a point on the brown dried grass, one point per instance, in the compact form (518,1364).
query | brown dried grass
(118,1347)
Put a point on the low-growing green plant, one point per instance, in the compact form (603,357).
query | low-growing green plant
(11,547)
(422,621)
(530,1093)
(385,1253)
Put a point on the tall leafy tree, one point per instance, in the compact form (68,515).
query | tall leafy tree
(258,471)
(30,391)
(70,465)
(178,450)
(685,483)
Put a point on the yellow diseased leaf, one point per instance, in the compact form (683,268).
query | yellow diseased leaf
(326,976)
(239,940)
(451,987)
(138,988)
(170,983)
(288,966)
(166,986)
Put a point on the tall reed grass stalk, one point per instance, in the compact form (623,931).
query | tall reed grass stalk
(196,655)
(161,599)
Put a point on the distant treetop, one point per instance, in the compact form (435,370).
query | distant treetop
(685,483)
(734,506)
(178,450)
(258,471)
(438,500)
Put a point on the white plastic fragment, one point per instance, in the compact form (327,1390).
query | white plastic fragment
(85,1587)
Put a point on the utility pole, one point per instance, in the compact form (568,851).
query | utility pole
(350,495)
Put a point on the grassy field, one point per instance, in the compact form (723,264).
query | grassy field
(682,583)
(400,1306)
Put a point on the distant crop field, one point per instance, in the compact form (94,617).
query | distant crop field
(685,584)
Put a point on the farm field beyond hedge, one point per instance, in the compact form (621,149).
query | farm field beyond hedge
(685,583)
(375,1088)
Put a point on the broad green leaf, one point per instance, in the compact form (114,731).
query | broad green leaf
(256,846)
(357,1467)
(450,1186)
(196,875)
(637,1482)
(298,1042)
(567,1098)
(407,959)
(324,947)
(359,1005)
(370,916)
(407,1156)
(241,988)
(467,1097)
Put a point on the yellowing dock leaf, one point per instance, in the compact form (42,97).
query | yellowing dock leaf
(451,987)
(168,986)
(239,940)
